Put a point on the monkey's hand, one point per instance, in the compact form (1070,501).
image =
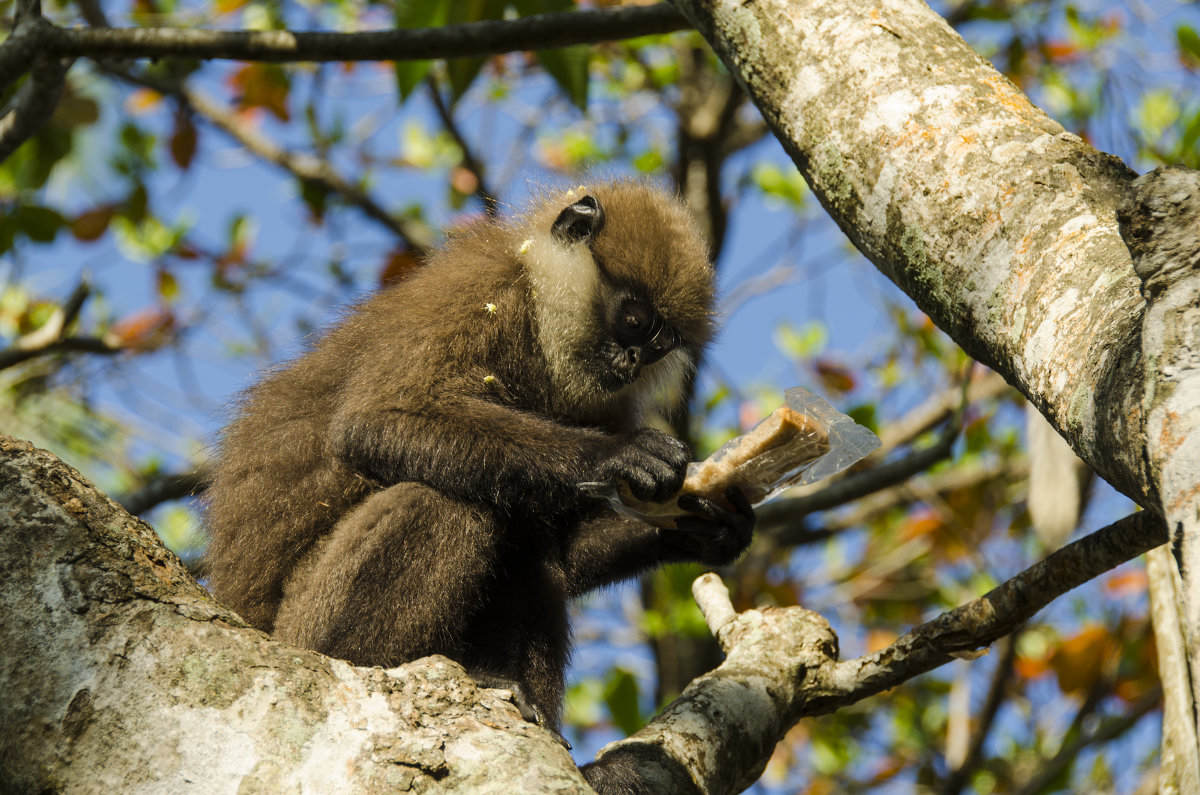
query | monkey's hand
(652,463)
(711,533)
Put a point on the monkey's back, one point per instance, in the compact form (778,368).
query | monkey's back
(277,485)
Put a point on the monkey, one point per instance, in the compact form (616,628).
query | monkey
(411,484)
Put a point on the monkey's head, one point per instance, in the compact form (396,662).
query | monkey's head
(622,291)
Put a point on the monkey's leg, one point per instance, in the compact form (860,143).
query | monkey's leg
(412,572)
(609,548)
(398,578)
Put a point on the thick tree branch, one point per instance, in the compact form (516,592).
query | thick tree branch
(106,635)
(175,642)
(472,39)
(996,221)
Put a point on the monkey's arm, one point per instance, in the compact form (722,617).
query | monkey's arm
(479,450)
(469,447)
(609,548)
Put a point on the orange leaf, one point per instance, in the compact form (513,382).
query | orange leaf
(835,377)
(463,180)
(1129,583)
(399,264)
(143,330)
(749,414)
(1031,667)
(1080,660)
(92,224)
(1060,51)
(143,100)
(920,523)
(880,639)
(262,85)
(226,6)
(183,140)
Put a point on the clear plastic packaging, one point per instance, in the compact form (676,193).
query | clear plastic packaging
(803,441)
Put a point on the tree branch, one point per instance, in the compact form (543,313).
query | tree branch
(986,716)
(1108,730)
(471,39)
(781,665)
(164,488)
(17,354)
(485,194)
(979,623)
(105,634)
(303,166)
(33,105)
(51,336)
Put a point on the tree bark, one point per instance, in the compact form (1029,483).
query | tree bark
(1160,219)
(121,674)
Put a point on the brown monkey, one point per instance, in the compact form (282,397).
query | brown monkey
(409,486)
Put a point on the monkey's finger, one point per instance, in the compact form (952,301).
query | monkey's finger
(641,483)
(744,519)
(669,479)
(671,451)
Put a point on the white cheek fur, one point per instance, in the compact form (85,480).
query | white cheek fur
(565,282)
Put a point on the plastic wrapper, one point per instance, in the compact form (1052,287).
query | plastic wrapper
(803,441)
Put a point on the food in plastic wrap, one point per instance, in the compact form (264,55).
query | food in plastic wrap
(802,441)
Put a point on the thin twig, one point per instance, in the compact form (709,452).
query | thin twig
(486,195)
(1107,730)
(467,40)
(164,488)
(34,104)
(15,355)
(303,166)
(986,717)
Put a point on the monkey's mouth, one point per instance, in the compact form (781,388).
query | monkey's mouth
(624,367)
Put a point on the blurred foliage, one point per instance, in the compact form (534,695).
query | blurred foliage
(207,263)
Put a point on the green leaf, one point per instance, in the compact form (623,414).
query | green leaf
(804,342)
(1187,144)
(1158,111)
(40,224)
(168,285)
(417,14)
(463,71)
(1189,44)
(621,697)
(865,415)
(783,185)
(569,68)
(315,196)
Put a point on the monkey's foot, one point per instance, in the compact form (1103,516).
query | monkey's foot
(529,710)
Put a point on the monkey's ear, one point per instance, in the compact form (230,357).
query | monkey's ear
(580,222)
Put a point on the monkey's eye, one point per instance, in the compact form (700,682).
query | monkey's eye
(636,322)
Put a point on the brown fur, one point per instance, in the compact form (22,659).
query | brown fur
(408,486)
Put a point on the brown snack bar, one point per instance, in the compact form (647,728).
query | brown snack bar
(758,462)
(777,446)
